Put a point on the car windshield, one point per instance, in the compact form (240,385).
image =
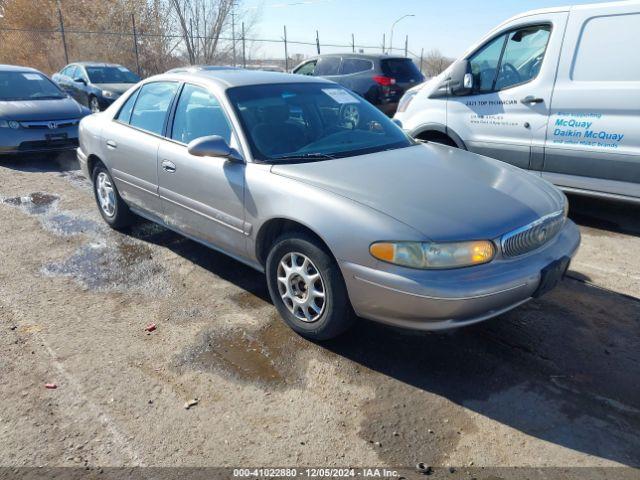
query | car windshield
(312,121)
(27,86)
(111,75)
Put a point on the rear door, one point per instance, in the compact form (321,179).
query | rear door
(202,196)
(357,74)
(505,116)
(592,138)
(329,68)
(132,141)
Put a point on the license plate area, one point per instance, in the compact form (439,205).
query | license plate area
(56,137)
(551,275)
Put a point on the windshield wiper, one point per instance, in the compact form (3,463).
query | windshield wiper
(305,156)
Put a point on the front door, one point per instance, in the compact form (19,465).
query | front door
(202,196)
(506,115)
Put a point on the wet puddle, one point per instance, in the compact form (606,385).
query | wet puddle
(120,267)
(37,203)
(268,356)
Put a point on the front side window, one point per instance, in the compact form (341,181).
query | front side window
(355,65)
(150,110)
(328,66)
(484,65)
(16,86)
(312,121)
(511,59)
(199,114)
(306,69)
(522,57)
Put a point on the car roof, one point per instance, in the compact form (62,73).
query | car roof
(96,64)
(17,68)
(367,56)
(197,68)
(239,77)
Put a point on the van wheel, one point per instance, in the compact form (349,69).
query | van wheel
(111,206)
(307,288)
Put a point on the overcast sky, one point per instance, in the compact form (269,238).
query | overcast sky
(450,26)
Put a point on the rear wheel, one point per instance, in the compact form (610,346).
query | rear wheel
(307,288)
(111,206)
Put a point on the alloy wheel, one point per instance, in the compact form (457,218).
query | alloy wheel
(301,287)
(106,194)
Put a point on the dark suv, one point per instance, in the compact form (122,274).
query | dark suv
(381,79)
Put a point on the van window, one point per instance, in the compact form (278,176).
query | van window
(511,59)
(199,114)
(355,65)
(484,65)
(616,53)
(522,57)
(152,105)
(328,66)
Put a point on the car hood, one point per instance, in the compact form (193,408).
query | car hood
(445,193)
(117,88)
(34,110)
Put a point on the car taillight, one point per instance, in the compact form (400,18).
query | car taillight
(384,81)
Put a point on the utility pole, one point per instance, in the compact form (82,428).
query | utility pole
(353,43)
(135,42)
(286,51)
(406,46)
(318,42)
(233,32)
(64,38)
(421,57)
(383,42)
(244,52)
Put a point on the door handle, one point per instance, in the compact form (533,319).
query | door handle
(111,144)
(168,166)
(530,99)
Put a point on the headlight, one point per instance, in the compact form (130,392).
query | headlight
(9,124)
(107,94)
(406,100)
(434,255)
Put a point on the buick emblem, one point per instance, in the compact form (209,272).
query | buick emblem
(52,125)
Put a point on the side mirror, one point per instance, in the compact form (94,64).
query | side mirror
(461,79)
(213,146)
(80,80)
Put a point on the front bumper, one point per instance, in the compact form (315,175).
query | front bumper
(37,140)
(444,299)
(84,164)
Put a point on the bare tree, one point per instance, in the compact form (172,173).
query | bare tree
(201,24)
(435,63)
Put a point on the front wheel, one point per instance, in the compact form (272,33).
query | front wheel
(307,288)
(94,104)
(112,208)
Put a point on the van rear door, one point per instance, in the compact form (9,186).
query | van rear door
(592,137)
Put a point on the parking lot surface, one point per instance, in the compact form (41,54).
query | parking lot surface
(553,383)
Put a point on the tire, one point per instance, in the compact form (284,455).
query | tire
(110,205)
(333,313)
(94,104)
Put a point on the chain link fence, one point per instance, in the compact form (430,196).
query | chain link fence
(149,54)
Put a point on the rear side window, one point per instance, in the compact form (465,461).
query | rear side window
(613,41)
(124,115)
(150,110)
(199,114)
(306,69)
(402,69)
(355,65)
(328,66)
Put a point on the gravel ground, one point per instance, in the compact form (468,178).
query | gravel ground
(555,383)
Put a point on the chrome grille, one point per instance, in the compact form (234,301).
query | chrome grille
(533,236)
(51,124)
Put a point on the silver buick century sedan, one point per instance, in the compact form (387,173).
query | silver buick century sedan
(310,184)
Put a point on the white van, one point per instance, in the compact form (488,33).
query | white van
(554,91)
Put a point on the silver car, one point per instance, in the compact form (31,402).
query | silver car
(35,115)
(344,213)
